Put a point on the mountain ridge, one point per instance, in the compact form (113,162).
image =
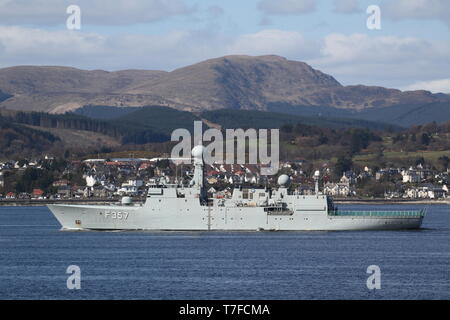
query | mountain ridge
(233,82)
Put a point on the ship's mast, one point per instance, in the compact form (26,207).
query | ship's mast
(316,181)
(197,156)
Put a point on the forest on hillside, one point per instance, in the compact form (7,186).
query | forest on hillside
(148,129)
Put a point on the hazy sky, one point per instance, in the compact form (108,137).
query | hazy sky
(411,51)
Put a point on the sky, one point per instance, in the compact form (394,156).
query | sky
(411,50)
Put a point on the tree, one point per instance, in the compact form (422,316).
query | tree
(361,138)
(163,164)
(287,128)
(34,178)
(425,139)
(323,139)
(379,154)
(343,164)
(66,154)
(376,189)
(444,161)
(397,138)
(420,161)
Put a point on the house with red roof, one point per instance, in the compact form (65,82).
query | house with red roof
(37,193)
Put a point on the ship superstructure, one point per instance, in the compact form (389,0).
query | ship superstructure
(175,207)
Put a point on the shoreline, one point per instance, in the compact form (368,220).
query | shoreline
(99,201)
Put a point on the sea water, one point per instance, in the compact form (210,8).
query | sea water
(35,256)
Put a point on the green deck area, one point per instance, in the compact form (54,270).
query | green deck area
(415,213)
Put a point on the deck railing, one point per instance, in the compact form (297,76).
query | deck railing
(348,213)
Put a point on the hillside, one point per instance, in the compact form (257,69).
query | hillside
(403,115)
(240,82)
(60,89)
(34,132)
(232,82)
(16,139)
(318,139)
(165,120)
(125,131)
(81,139)
(260,119)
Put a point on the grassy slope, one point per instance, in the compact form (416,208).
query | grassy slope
(431,156)
(17,140)
(81,138)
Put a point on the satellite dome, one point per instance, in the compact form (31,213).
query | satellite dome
(283,180)
(126,201)
(197,152)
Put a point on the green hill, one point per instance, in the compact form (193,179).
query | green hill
(404,115)
(259,119)
(16,139)
(104,112)
(157,119)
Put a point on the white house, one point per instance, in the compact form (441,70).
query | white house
(426,192)
(90,180)
(127,190)
(135,183)
(131,187)
(411,176)
(338,189)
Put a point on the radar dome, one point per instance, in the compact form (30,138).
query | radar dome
(197,152)
(283,180)
(126,201)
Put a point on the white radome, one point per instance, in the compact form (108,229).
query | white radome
(283,180)
(126,201)
(197,152)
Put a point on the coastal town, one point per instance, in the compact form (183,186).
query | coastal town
(56,179)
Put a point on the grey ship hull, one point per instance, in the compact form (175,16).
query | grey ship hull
(203,218)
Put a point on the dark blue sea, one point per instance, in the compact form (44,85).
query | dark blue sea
(34,256)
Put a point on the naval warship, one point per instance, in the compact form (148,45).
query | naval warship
(178,207)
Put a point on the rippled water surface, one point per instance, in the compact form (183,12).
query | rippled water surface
(34,256)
